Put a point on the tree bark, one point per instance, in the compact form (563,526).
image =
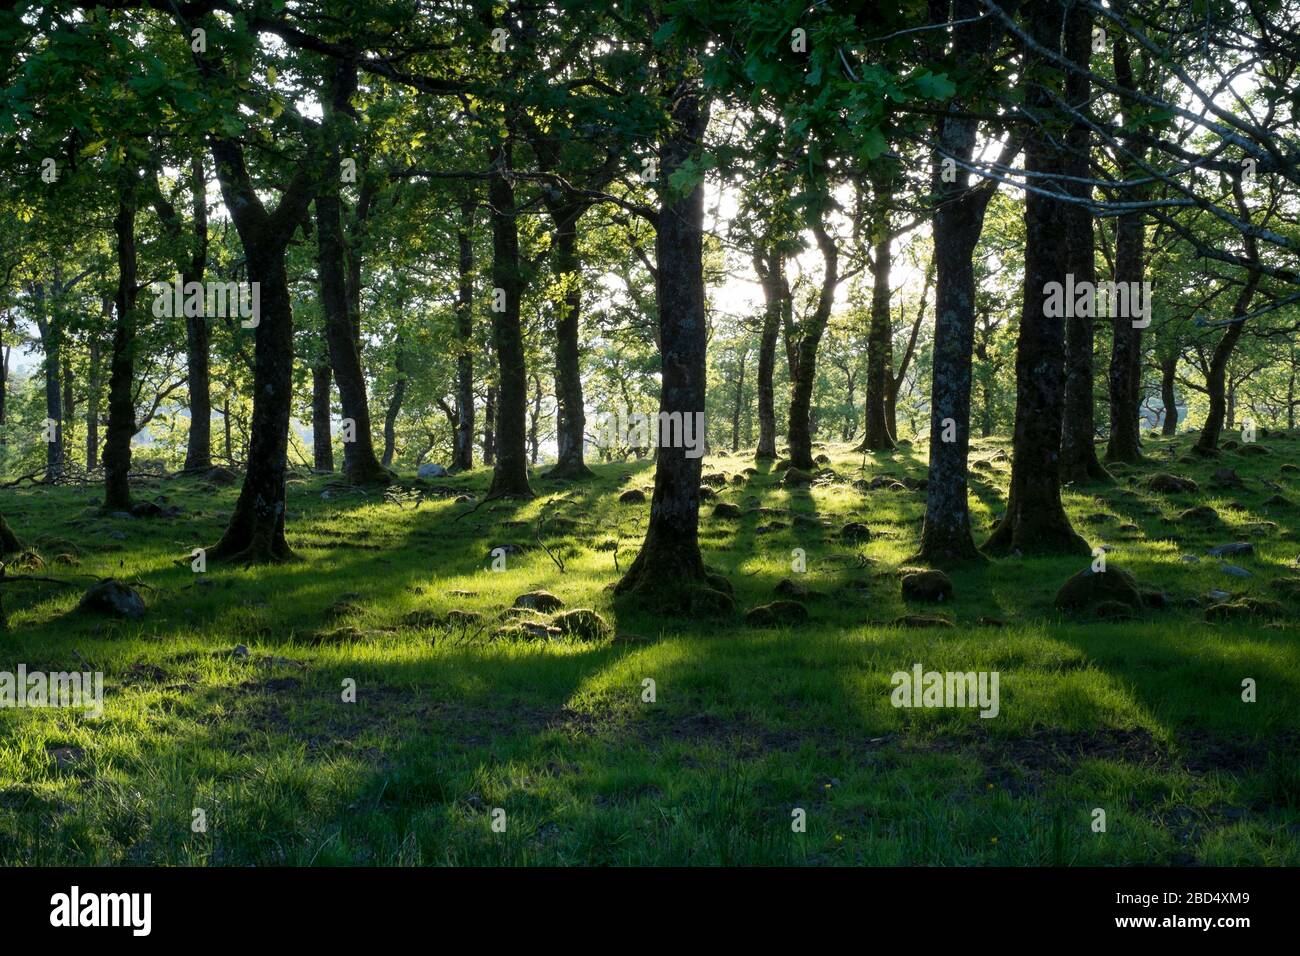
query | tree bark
(121,405)
(800,427)
(198,446)
(360,466)
(322,440)
(958,220)
(489,426)
(1079,462)
(571,422)
(9,543)
(94,384)
(462,458)
(394,405)
(769,264)
(1124,378)
(1035,520)
(510,472)
(669,571)
(879,435)
(256,529)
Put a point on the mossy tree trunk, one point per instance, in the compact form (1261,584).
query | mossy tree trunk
(510,471)
(1078,428)
(1035,519)
(121,401)
(669,570)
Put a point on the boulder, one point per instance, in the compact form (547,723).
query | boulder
(795,477)
(726,510)
(1169,484)
(776,614)
(931,587)
(633,496)
(1089,588)
(543,601)
(113,598)
(855,532)
(1235,549)
(431,470)
(582,623)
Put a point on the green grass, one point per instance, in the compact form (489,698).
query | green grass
(1141,718)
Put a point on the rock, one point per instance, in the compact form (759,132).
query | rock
(240,653)
(737,479)
(633,496)
(582,623)
(781,465)
(1154,599)
(1226,478)
(921,620)
(726,510)
(931,587)
(509,549)
(1170,484)
(1252,449)
(146,509)
(1202,514)
(462,499)
(788,588)
(1235,571)
(1216,597)
(1190,558)
(1089,588)
(1289,469)
(1236,549)
(1112,610)
(855,532)
(431,470)
(66,758)
(527,631)
(221,476)
(823,459)
(714,480)
(543,601)
(342,609)
(122,515)
(776,614)
(795,477)
(1246,607)
(707,493)
(113,598)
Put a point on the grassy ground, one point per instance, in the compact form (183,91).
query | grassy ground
(1141,718)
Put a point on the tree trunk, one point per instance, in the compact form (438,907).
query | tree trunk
(360,466)
(800,427)
(771,272)
(1124,378)
(879,434)
(570,419)
(52,342)
(958,220)
(510,473)
(489,426)
(462,458)
(9,543)
(198,447)
(94,383)
(669,571)
(121,404)
(394,405)
(256,529)
(1078,429)
(1035,520)
(322,441)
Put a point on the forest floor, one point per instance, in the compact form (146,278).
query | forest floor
(227,697)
